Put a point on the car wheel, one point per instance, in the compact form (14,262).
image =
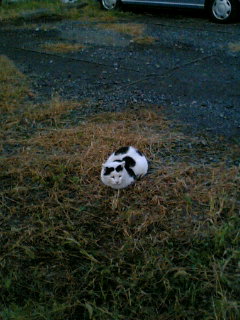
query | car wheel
(223,11)
(110,4)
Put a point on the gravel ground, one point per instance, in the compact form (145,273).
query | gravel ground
(190,70)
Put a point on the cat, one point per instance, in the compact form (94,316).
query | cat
(123,167)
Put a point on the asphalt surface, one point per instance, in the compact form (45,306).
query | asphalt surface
(191,70)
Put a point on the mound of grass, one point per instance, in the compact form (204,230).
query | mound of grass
(71,248)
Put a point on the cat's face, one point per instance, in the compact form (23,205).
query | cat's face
(113,174)
(115,178)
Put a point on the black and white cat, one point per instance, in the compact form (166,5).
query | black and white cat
(123,167)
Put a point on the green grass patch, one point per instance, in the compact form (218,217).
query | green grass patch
(13,85)
(16,12)
(11,11)
(71,248)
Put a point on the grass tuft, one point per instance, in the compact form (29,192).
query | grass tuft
(133,29)
(62,47)
(147,40)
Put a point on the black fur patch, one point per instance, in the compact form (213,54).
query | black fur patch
(122,150)
(131,172)
(129,162)
(108,171)
(119,168)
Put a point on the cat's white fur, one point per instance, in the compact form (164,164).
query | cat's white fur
(122,179)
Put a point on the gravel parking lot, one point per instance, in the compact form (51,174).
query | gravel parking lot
(190,68)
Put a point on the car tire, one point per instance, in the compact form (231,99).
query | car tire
(110,4)
(223,11)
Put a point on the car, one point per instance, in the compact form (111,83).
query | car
(222,11)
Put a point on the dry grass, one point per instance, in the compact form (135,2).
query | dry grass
(99,131)
(70,247)
(179,190)
(62,47)
(172,194)
(135,30)
(147,40)
(53,110)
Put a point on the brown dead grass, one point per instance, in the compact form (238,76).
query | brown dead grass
(135,30)
(93,12)
(62,47)
(132,29)
(102,128)
(170,196)
(147,40)
(52,110)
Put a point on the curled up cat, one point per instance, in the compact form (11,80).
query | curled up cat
(123,168)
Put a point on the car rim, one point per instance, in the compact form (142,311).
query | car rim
(221,9)
(109,4)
